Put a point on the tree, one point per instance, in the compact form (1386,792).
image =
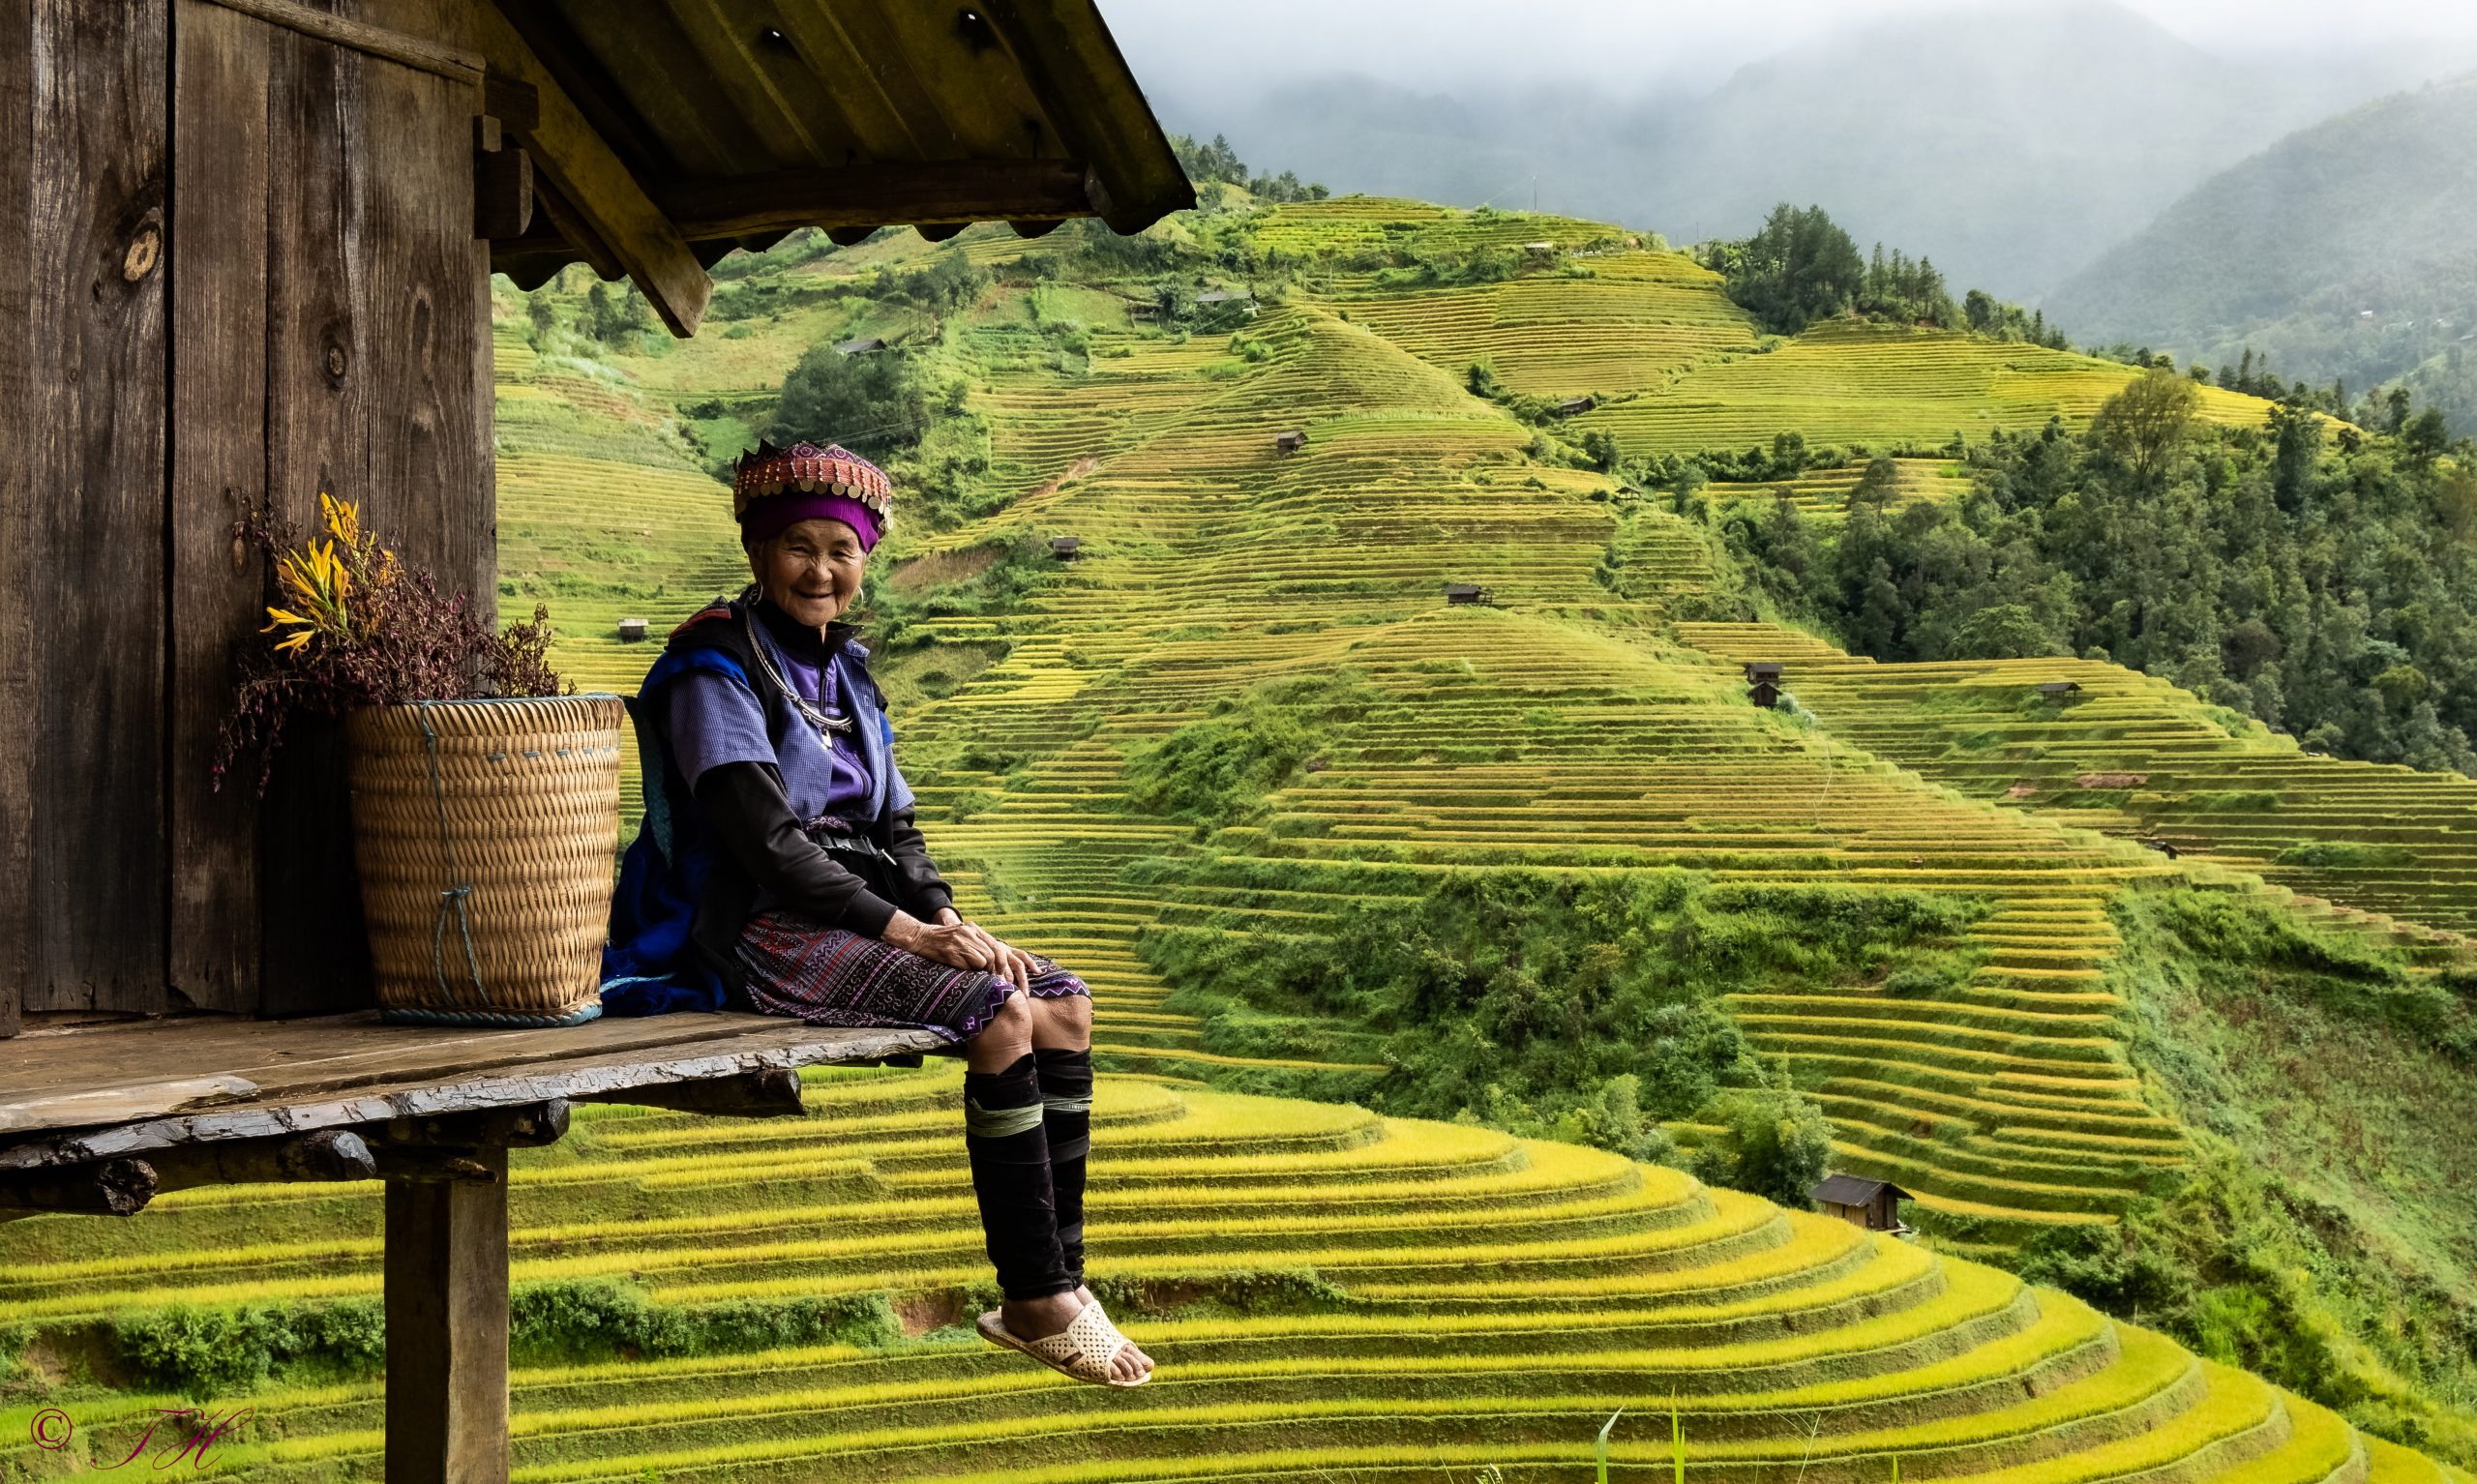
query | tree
(1798,267)
(2424,436)
(1778,1143)
(863,400)
(2147,422)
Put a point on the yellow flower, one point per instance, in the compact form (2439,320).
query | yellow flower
(343,520)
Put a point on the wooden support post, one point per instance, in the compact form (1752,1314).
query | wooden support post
(446,1287)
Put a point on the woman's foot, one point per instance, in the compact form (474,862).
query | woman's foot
(1037,1318)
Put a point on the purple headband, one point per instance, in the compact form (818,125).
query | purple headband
(768,517)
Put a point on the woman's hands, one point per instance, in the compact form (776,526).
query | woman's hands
(960,943)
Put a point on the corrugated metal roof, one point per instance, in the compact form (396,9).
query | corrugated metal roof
(743,119)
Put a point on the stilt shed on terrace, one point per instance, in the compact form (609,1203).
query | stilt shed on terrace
(1289,442)
(1763,683)
(1874,1204)
(1458,594)
(1064,547)
(860,346)
(1575,406)
(247,256)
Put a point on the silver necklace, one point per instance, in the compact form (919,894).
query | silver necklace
(824,721)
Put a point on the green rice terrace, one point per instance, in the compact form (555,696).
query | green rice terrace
(1239,732)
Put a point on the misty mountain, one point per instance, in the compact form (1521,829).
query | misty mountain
(2349,249)
(2010,146)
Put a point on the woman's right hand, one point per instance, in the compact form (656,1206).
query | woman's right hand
(961,944)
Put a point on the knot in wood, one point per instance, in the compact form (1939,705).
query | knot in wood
(139,261)
(336,361)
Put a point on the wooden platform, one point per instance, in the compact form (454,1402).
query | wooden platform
(81,1092)
(97,1117)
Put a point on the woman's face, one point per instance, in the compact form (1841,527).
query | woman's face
(811,570)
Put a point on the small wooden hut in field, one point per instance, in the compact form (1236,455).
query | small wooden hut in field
(1462,594)
(632,630)
(1065,548)
(1575,406)
(2059,691)
(860,346)
(1763,683)
(245,257)
(1289,442)
(1874,1204)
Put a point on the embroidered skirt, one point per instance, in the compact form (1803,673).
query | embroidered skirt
(830,976)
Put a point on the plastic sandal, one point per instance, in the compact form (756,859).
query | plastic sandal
(1082,1349)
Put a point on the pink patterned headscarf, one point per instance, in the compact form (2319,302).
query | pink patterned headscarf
(773,489)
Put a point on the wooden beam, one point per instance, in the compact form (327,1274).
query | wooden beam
(113,1187)
(325,1154)
(1071,64)
(526,1125)
(957,192)
(773,1093)
(418,53)
(597,187)
(446,1303)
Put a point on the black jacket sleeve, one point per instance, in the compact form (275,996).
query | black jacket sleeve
(913,867)
(753,815)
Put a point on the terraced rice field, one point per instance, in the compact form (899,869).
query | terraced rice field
(1359,223)
(1489,1302)
(2132,755)
(1875,385)
(1492,1299)
(1636,324)
(1823,494)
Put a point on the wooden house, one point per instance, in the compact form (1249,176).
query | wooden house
(1575,406)
(1874,1204)
(1289,442)
(1065,548)
(247,252)
(1763,683)
(2059,690)
(1458,594)
(632,630)
(860,346)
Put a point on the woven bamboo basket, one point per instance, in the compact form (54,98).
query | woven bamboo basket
(485,832)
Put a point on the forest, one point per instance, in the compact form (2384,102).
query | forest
(2311,574)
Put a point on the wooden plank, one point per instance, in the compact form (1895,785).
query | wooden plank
(19,688)
(95,548)
(427,280)
(446,1301)
(593,183)
(949,191)
(120,1104)
(320,408)
(219,466)
(576,1079)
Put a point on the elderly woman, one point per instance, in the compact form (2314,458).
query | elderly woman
(778,869)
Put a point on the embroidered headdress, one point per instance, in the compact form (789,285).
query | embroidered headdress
(774,487)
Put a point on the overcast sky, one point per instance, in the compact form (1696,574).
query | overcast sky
(1201,47)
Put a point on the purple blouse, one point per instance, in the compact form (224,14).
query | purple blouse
(716,720)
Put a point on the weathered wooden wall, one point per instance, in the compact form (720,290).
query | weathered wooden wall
(316,320)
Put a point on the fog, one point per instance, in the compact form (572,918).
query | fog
(2012,140)
(1206,50)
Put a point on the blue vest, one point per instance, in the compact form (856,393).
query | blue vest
(680,902)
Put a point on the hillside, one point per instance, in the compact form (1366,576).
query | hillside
(2344,249)
(1996,999)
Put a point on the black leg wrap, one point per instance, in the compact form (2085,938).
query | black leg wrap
(1066,1113)
(1008,1149)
